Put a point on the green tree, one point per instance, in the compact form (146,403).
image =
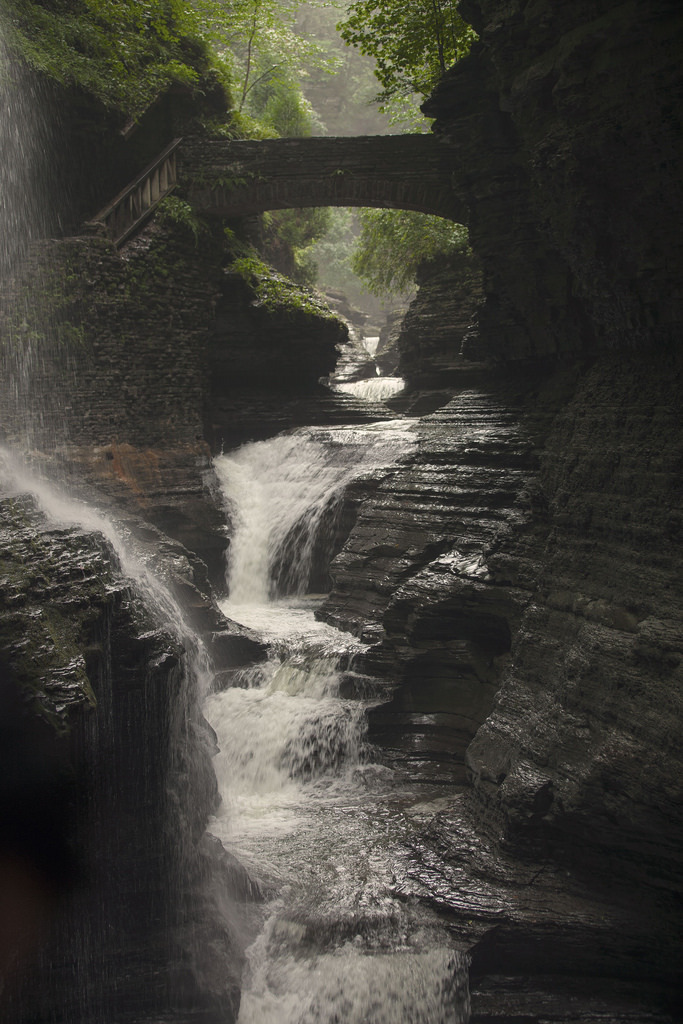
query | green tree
(126,52)
(394,243)
(342,93)
(286,235)
(262,43)
(413,43)
(279,104)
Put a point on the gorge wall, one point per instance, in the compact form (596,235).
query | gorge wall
(163,355)
(544,564)
(578,110)
(520,576)
(566,120)
(107,785)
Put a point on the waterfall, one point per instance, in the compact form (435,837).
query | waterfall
(282,495)
(373,389)
(385,988)
(29,283)
(25,145)
(146,751)
(132,944)
(62,509)
(308,806)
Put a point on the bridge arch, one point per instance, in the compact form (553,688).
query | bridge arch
(235,179)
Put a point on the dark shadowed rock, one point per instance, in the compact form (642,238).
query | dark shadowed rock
(430,339)
(413,576)
(563,592)
(567,133)
(114,688)
(598,656)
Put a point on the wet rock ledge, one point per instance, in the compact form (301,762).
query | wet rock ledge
(413,577)
(519,578)
(116,762)
(555,600)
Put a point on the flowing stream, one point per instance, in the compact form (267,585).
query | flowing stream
(308,806)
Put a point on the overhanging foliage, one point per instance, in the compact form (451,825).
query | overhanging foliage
(412,43)
(125,52)
(394,243)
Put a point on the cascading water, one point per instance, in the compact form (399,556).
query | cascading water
(27,181)
(154,740)
(373,389)
(61,508)
(118,940)
(283,495)
(306,806)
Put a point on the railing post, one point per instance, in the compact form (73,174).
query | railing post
(131,208)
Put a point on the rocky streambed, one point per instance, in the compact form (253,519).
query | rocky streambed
(489,571)
(527,838)
(510,587)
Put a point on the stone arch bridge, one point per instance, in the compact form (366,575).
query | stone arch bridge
(225,178)
(236,179)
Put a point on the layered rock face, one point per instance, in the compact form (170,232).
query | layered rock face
(430,339)
(413,577)
(581,755)
(104,370)
(111,695)
(566,119)
(519,578)
(560,590)
(129,368)
(578,133)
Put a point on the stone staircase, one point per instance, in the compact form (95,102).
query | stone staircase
(132,207)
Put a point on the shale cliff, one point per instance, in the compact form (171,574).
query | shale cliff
(129,369)
(525,586)
(579,136)
(566,119)
(106,786)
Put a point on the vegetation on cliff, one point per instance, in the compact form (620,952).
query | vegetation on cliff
(393,245)
(276,293)
(127,52)
(122,51)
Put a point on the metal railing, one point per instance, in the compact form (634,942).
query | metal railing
(130,209)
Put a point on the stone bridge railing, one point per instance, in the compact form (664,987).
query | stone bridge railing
(234,179)
(130,209)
